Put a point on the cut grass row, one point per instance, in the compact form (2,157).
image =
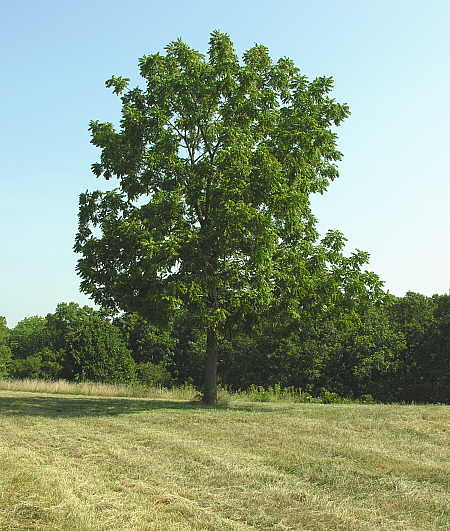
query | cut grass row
(77,462)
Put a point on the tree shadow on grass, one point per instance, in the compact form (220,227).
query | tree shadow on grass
(60,406)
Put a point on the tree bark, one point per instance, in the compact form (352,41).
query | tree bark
(210,385)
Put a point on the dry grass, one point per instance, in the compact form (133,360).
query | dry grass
(72,462)
(186,392)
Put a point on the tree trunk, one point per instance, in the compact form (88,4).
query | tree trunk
(210,385)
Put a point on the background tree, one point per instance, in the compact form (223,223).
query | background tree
(215,160)
(341,338)
(31,346)
(29,336)
(5,352)
(438,347)
(424,364)
(152,348)
(92,348)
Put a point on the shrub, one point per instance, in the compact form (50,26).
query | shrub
(328,397)
(153,374)
(305,398)
(258,394)
(367,398)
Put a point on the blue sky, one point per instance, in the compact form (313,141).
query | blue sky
(391,64)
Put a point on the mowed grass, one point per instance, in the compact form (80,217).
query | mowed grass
(74,462)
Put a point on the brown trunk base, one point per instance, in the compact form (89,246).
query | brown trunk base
(210,384)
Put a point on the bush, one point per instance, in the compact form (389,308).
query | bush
(305,398)
(153,375)
(368,399)
(328,397)
(258,394)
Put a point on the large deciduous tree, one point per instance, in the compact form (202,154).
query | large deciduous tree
(213,163)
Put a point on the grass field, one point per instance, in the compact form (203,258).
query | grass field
(77,462)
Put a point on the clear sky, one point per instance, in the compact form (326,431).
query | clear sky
(391,63)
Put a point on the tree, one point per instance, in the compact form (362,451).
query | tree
(147,342)
(424,363)
(215,160)
(341,338)
(92,348)
(5,352)
(30,343)
(29,336)
(151,346)
(439,351)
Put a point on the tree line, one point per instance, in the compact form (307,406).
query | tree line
(394,350)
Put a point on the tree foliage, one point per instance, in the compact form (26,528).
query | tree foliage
(5,351)
(215,160)
(93,348)
(29,336)
(31,346)
(424,363)
(394,349)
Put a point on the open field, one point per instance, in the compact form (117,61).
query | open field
(74,462)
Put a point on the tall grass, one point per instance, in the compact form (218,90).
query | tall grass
(254,393)
(185,392)
(276,393)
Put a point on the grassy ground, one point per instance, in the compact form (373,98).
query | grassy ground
(184,392)
(73,462)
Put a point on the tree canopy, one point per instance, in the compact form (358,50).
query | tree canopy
(214,162)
